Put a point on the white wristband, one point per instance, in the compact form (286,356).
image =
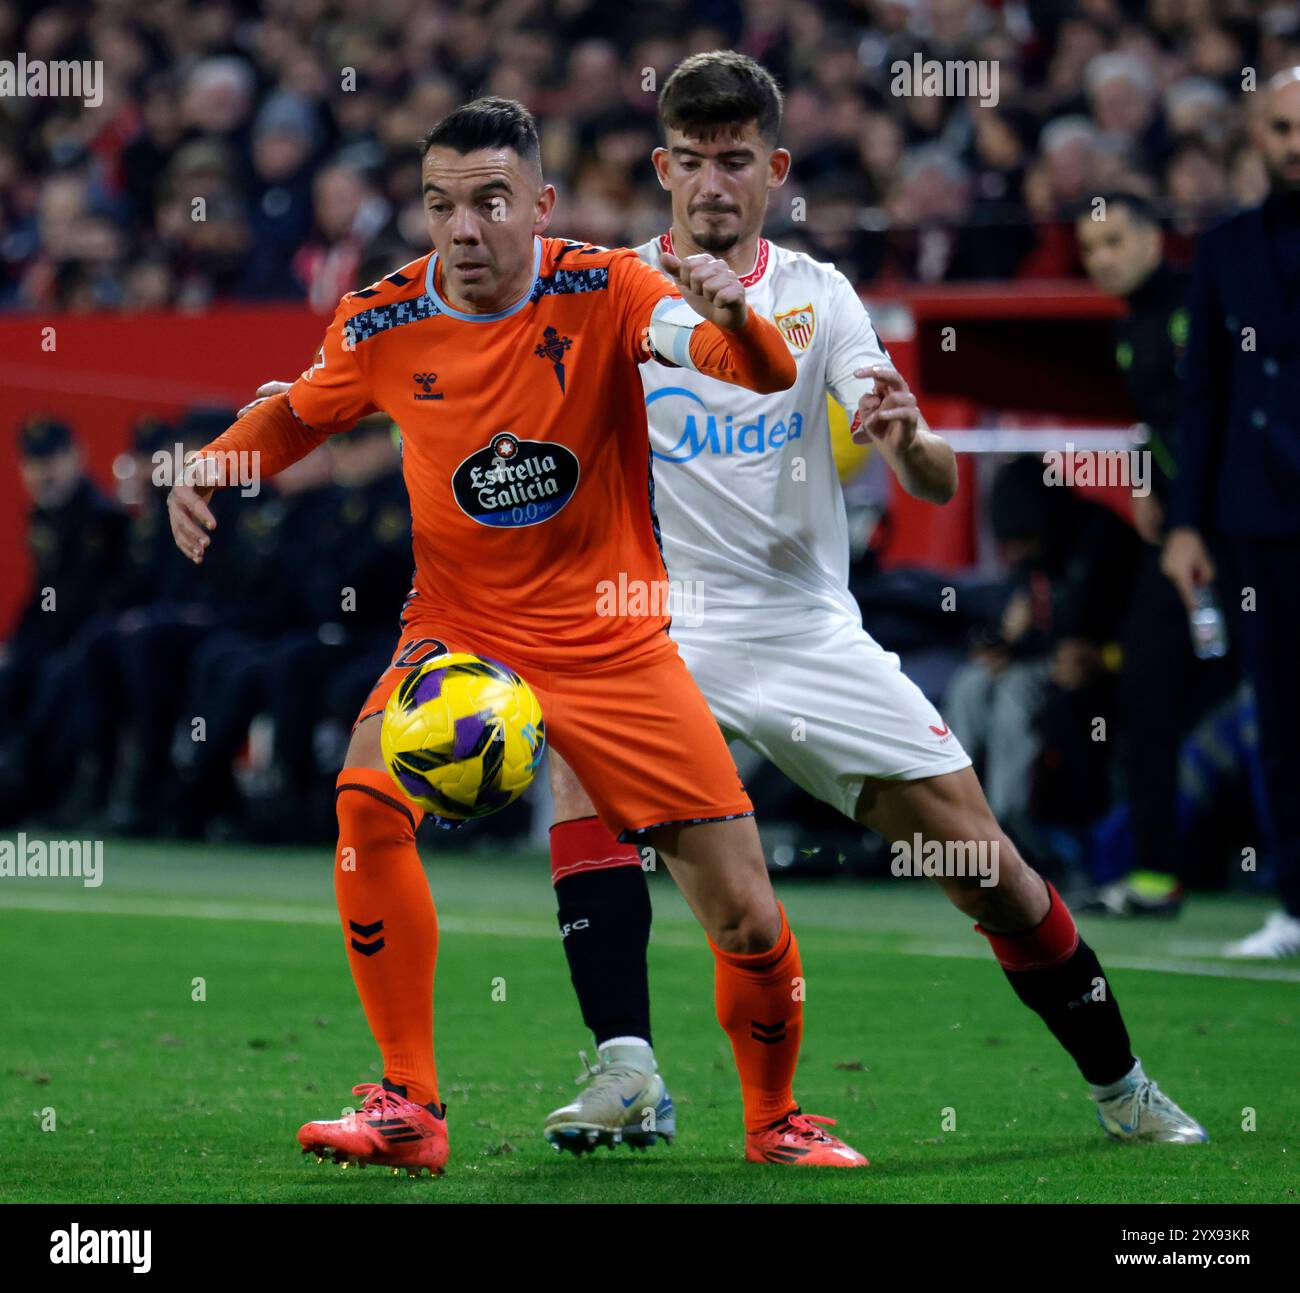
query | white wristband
(671,324)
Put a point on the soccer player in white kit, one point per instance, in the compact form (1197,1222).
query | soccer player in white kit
(755,541)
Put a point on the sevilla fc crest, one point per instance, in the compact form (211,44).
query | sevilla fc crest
(797,326)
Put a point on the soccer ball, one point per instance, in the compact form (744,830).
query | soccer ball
(462,736)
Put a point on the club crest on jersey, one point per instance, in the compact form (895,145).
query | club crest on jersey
(513,482)
(797,326)
(552,348)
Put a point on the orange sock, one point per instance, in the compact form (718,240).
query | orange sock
(389,924)
(760,1006)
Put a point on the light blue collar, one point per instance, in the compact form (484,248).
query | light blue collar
(483,318)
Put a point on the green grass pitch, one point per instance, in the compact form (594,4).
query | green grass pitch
(151,1095)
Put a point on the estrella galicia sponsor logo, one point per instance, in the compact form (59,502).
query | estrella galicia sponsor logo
(705,431)
(513,482)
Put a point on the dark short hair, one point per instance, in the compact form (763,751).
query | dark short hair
(721,88)
(1140,210)
(489,122)
(43,436)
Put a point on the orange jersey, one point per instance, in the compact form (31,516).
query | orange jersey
(524,443)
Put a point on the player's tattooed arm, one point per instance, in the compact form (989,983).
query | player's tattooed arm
(889,417)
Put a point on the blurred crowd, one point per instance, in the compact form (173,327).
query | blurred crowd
(153,697)
(267,150)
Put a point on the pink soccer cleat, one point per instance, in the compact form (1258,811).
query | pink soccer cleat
(388,1130)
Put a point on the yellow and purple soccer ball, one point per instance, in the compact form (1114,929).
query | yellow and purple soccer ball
(462,736)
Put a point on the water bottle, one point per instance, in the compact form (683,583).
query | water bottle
(1209,632)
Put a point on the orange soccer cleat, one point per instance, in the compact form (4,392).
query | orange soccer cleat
(798,1138)
(388,1130)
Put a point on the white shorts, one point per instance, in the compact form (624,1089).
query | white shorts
(827,705)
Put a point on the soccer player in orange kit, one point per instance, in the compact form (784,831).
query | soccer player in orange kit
(511,363)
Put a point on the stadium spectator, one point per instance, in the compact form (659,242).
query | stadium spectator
(350,596)
(162,611)
(75,536)
(219,679)
(1122,94)
(284,148)
(104,718)
(1067,171)
(348,213)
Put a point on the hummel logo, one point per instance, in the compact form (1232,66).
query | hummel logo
(552,347)
(768,1034)
(940,731)
(426,380)
(367,931)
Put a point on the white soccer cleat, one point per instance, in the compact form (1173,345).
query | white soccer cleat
(624,1103)
(1279,938)
(1140,1111)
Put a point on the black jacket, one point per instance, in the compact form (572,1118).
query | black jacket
(1239,451)
(1149,344)
(75,550)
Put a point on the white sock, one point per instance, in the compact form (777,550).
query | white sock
(624,1041)
(1126,1083)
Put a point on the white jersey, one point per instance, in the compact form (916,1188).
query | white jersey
(756,543)
(745,487)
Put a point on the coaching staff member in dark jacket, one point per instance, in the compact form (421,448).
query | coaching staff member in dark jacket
(1164,690)
(1238,487)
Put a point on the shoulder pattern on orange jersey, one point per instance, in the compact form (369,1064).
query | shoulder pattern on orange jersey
(416,298)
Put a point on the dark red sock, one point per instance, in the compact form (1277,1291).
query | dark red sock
(1057,975)
(604,913)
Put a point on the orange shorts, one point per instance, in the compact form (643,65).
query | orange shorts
(637,733)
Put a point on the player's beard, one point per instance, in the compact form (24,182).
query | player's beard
(715,242)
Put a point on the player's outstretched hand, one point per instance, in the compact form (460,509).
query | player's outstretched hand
(888,414)
(264,392)
(710,287)
(188,511)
